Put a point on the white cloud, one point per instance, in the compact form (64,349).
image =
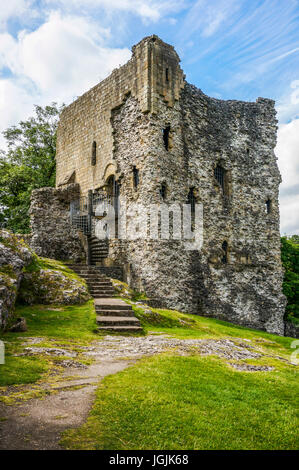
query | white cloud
(66,56)
(151,10)
(14,9)
(16,103)
(288,106)
(287,151)
(60,60)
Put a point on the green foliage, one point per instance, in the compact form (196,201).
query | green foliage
(290,261)
(28,163)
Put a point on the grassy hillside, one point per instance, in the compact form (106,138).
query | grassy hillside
(170,400)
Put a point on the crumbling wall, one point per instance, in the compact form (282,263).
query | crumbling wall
(204,132)
(125,115)
(52,233)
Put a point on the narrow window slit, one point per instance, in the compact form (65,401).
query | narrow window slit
(166,133)
(225,252)
(135,177)
(192,202)
(94,153)
(163,191)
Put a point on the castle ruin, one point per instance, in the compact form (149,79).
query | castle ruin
(146,135)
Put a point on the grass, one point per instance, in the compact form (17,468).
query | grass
(69,326)
(166,401)
(187,326)
(169,402)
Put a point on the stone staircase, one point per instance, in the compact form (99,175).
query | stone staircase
(98,250)
(112,314)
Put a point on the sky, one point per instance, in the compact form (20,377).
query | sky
(54,50)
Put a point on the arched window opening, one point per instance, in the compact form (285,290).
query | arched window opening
(166,133)
(268,206)
(163,190)
(135,177)
(94,154)
(224,258)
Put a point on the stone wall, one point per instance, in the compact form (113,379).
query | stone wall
(125,115)
(87,120)
(52,233)
(242,137)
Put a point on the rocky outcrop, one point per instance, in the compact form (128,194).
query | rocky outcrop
(14,256)
(29,279)
(48,286)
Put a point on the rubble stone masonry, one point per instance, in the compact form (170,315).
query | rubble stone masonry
(118,125)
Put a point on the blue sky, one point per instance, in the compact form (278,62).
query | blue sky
(54,50)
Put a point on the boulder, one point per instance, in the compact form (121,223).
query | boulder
(20,326)
(30,279)
(48,286)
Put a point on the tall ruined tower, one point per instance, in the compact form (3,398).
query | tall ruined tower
(162,141)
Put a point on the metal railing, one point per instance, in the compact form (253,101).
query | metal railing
(84,210)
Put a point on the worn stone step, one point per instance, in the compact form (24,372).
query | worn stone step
(101,296)
(106,285)
(96,293)
(121,329)
(102,289)
(116,313)
(117,321)
(111,304)
(91,277)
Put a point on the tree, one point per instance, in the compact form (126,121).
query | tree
(27,164)
(290,261)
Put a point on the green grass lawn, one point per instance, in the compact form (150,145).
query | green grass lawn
(168,401)
(69,325)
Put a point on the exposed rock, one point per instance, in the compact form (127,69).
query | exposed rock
(68,363)
(291,330)
(14,256)
(48,286)
(23,276)
(32,351)
(20,326)
(251,368)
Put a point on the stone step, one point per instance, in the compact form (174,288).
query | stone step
(99,285)
(116,313)
(96,293)
(112,304)
(101,296)
(91,276)
(102,291)
(121,329)
(117,321)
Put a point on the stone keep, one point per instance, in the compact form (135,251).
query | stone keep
(220,152)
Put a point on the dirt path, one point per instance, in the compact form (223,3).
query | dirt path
(38,423)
